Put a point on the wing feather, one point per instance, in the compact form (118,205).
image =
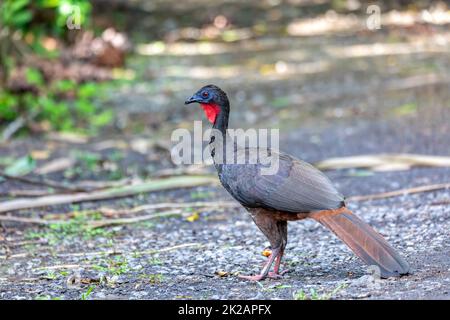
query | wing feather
(296,187)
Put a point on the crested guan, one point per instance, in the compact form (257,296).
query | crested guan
(295,191)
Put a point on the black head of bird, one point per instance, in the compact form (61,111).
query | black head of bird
(213,100)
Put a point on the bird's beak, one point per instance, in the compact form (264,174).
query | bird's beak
(191,100)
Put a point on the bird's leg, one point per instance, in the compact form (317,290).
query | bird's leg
(276,274)
(276,231)
(265,271)
(276,270)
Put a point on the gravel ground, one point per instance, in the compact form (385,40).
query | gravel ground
(221,244)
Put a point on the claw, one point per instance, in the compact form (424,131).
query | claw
(275,275)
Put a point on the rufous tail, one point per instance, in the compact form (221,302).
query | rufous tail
(365,242)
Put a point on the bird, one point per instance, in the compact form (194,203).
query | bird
(296,191)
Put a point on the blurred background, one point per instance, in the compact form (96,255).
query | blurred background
(90,92)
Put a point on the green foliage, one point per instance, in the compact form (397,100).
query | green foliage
(47,297)
(152,278)
(74,228)
(86,295)
(18,15)
(116,265)
(34,20)
(314,295)
(66,106)
(15,14)
(8,106)
(34,77)
(406,109)
(21,166)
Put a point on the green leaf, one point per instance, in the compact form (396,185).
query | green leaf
(22,18)
(406,109)
(17,5)
(85,107)
(8,106)
(21,167)
(280,102)
(34,77)
(65,85)
(49,3)
(88,90)
(103,118)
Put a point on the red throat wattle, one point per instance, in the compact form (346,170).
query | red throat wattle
(211,111)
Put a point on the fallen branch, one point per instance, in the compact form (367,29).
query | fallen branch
(384,162)
(109,222)
(12,128)
(401,192)
(190,170)
(152,251)
(112,252)
(166,205)
(28,220)
(119,192)
(16,125)
(62,266)
(441,203)
(43,182)
(55,165)
(25,193)
(114,222)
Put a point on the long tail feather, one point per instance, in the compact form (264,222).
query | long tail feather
(365,242)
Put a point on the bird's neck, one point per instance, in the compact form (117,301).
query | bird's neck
(218,139)
(221,122)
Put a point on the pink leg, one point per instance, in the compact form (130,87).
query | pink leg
(265,270)
(276,274)
(276,254)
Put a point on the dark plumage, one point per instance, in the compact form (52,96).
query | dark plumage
(295,191)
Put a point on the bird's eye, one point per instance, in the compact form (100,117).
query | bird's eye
(205,94)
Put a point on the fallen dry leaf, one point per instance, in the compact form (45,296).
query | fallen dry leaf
(68,137)
(193,217)
(266,252)
(55,165)
(222,273)
(40,154)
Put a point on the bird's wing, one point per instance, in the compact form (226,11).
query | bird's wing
(295,187)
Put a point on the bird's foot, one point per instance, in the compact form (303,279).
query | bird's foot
(277,275)
(259,277)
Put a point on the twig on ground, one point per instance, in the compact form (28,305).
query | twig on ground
(12,128)
(401,192)
(112,252)
(118,192)
(167,205)
(62,266)
(55,165)
(111,222)
(20,279)
(440,203)
(384,162)
(25,193)
(43,182)
(16,125)
(28,220)
(190,170)
(95,223)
